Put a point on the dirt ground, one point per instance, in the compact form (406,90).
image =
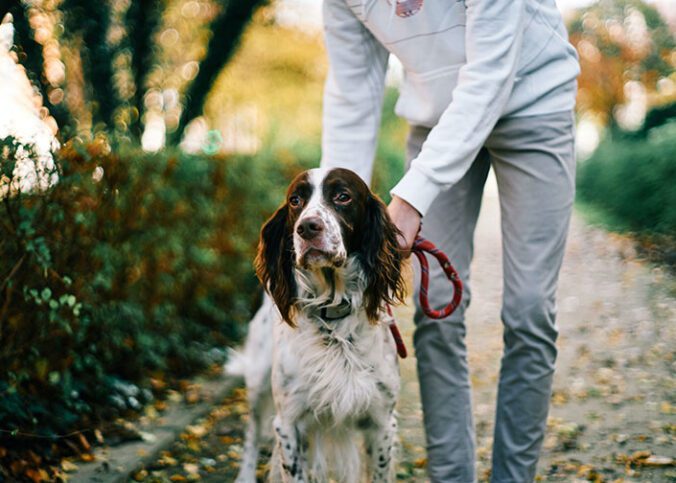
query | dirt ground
(613,409)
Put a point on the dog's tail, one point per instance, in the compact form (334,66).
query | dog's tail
(255,356)
(236,363)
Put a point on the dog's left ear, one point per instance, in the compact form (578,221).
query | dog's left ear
(274,263)
(381,259)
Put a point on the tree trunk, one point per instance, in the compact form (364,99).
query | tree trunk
(226,30)
(143,18)
(91,20)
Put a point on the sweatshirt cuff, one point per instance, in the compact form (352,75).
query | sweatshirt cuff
(417,189)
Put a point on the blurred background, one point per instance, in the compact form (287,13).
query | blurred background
(142,144)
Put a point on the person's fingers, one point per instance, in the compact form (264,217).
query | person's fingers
(407,220)
(405,245)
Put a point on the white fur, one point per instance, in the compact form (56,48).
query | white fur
(331,239)
(334,393)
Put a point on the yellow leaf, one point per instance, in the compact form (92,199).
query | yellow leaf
(87,457)
(197,430)
(68,466)
(667,408)
(655,460)
(140,475)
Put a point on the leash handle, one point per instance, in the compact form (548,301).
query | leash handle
(420,247)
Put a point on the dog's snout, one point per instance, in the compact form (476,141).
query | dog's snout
(310,227)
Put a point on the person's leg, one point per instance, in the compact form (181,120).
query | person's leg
(440,344)
(533,159)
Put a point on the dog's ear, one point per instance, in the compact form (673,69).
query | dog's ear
(381,258)
(274,262)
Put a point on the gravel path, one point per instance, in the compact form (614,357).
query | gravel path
(613,409)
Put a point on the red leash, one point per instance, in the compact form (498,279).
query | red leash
(420,247)
(398,340)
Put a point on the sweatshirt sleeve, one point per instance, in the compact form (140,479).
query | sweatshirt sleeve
(353,93)
(493,33)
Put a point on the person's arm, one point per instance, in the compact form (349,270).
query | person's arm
(353,93)
(493,36)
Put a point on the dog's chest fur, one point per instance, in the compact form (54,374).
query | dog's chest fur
(340,372)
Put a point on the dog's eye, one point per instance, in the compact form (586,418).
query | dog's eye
(342,198)
(295,201)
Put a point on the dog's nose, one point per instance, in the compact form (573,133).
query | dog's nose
(310,227)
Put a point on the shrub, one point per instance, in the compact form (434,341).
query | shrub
(133,265)
(390,156)
(634,181)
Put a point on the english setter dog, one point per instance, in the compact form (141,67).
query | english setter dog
(319,356)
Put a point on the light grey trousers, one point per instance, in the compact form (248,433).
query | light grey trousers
(533,160)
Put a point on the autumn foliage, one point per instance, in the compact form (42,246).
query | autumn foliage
(134,265)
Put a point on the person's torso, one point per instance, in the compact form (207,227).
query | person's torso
(428,37)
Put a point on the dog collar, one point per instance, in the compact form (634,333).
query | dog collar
(336,312)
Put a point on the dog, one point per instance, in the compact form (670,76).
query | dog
(319,362)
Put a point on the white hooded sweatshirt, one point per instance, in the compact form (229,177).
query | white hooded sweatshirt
(467,63)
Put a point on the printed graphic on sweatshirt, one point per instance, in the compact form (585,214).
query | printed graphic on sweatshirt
(407,8)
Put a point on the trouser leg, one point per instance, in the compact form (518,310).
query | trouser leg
(440,344)
(534,164)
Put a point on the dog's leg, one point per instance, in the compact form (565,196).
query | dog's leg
(247,469)
(257,418)
(255,365)
(380,448)
(289,453)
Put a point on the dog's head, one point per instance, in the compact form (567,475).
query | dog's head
(328,217)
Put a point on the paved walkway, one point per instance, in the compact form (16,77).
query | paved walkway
(612,415)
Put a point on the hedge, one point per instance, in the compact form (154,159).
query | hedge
(133,268)
(633,181)
(133,265)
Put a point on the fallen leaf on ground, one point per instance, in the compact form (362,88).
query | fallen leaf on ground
(640,455)
(36,475)
(140,475)
(168,460)
(654,460)
(198,430)
(68,466)
(87,457)
(83,441)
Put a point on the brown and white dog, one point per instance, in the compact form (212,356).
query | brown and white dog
(319,355)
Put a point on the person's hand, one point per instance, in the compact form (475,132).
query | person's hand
(407,219)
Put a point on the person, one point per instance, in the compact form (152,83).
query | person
(486,83)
